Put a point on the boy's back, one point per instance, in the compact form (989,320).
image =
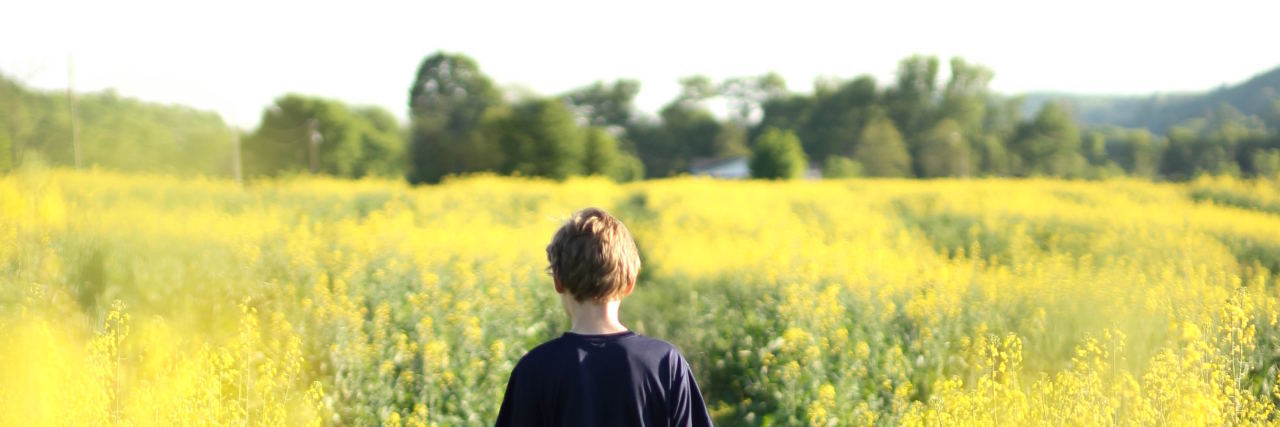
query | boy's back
(599,373)
(620,379)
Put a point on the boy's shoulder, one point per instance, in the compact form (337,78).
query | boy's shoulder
(641,347)
(593,377)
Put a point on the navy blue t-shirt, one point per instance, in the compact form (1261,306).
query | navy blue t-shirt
(620,379)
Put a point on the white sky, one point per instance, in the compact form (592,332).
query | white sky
(236,56)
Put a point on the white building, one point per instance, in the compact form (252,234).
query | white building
(726,168)
(737,168)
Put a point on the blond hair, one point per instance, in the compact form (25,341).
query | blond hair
(593,256)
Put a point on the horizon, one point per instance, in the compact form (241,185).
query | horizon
(371,61)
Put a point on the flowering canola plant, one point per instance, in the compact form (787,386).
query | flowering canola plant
(131,299)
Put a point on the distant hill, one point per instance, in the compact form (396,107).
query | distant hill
(1257,96)
(114,132)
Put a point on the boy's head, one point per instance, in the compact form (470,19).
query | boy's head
(593,257)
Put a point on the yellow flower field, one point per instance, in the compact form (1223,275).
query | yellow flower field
(150,300)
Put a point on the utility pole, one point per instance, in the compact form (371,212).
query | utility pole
(314,132)
(15,105)
(236,164)
(75,125)
(235,156)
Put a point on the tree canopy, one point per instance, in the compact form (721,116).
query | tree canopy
(451,103)
(300,133)
(778,155)
(881,150)
(932,119)
(115,132)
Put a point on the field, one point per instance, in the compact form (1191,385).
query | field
(148,300)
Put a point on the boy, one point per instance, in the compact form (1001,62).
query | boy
(599,373)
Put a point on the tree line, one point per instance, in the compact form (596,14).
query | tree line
(460,121)
(112,132)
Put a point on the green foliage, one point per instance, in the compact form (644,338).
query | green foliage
(787,112)
(629,168)
(659,153)
(990,156)
(747,94)
(609,110)
(1272,116)
(691,130)
(1266,163)
(965,97)
(881,150)
(1002,117)
(841,167)
(1157,113)
(1136,152)
(12,123)
(115,132)
(944,151)
(1095,149)
(606,105)
(959,129)
(731,141)
(600,155)
(695,89)
(686,130)
(1258,96)
(382,143)
(833,120)
(837,117)
(909,102)
(1253,97)
(43,126)
(1215,144)
(1049,145)
(6,154)
(351,143)
(451,103)
(460,122)
(778,155)
(541,138)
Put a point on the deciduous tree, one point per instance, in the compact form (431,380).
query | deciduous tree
(451,103)
(541,138)
(778,155)
(944,151)
(881,150)
(1049,144)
